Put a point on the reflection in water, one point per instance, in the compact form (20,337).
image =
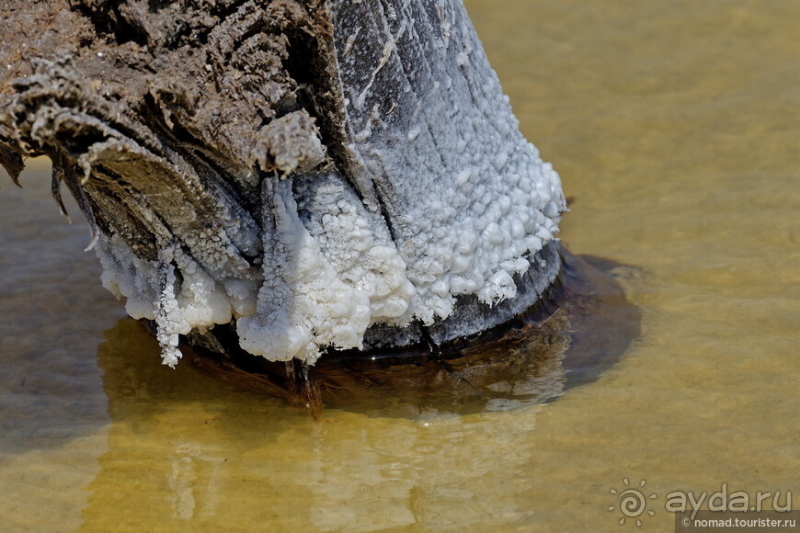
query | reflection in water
(194,449)
(444,473)
(189,464)
(202,452)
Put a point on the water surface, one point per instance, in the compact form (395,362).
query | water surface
(672,125)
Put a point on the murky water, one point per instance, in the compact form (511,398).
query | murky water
(672,124)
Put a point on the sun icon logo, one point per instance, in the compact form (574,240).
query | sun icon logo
(632,503)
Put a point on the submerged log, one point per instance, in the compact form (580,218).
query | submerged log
(305,175)
(568,338)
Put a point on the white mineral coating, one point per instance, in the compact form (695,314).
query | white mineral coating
(357,244)
(303,304)
(443,201)
(467,198)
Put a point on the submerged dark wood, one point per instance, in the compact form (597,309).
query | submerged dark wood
(580,329)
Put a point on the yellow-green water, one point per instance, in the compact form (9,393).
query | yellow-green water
(673,124)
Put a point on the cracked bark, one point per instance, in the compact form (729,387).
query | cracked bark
(287,175)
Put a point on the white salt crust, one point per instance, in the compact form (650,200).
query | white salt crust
(330,270)
(468,200)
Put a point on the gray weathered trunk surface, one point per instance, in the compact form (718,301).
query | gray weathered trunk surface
(310,173)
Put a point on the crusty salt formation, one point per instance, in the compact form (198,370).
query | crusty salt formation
(308,173)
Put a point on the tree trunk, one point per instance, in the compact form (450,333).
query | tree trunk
(287,176)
